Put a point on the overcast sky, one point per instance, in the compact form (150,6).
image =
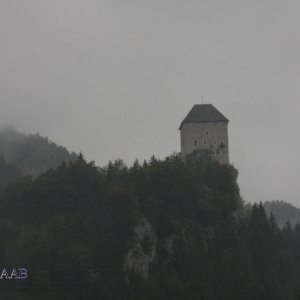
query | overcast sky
(114,79)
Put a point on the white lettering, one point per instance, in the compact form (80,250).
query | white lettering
(4,274)
(14,274)
(20,273)
(23,273)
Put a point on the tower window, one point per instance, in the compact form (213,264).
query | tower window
(222,144)
(204,142)
(207,132)
(195,143)
(215,142)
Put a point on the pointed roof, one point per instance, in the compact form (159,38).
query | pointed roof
(203,113)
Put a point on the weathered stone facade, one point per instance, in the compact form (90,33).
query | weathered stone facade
(199,133)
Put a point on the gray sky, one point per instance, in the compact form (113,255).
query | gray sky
(115,78)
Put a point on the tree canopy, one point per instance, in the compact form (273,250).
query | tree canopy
(161,229)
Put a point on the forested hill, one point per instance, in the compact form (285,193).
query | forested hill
(164,229)
(283,212)
(30,154)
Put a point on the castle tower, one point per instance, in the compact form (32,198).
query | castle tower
(205,127)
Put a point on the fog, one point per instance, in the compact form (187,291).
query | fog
(114,79)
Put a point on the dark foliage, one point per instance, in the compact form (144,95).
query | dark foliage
(8,173)
(72,227)
(283,212)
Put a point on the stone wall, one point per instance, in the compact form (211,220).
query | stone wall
(207,135)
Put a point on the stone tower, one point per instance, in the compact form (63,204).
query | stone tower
(205,127)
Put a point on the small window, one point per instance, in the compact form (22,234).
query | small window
(215,142)
(222,144)
(195,143)
(207,132)
(204,142)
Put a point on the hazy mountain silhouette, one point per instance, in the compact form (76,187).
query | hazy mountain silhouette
(283,212)
(31,154)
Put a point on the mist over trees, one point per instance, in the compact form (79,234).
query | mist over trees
(22,154)
(161,229)
(8,172)
(283,212)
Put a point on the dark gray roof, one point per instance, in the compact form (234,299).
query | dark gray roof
(203,113)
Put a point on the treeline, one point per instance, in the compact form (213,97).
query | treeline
(22,154)
(164,229)
(283,212)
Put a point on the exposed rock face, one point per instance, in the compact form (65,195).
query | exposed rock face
(143,251)
(170,244)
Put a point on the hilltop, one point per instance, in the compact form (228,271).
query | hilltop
(283,212)
(22,154)
(164,229)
